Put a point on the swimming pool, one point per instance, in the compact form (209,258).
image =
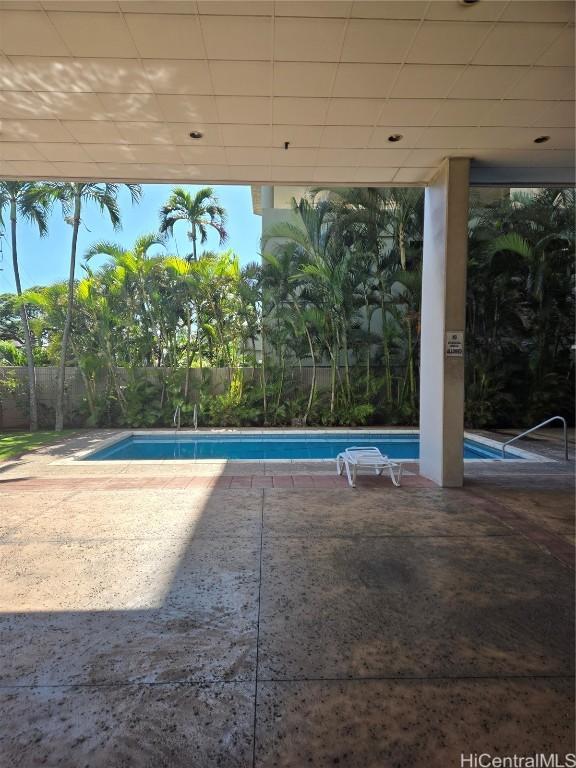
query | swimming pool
(275,446)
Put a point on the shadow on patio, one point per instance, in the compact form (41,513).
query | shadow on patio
(267,626)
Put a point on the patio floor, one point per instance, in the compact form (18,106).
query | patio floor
(265,615)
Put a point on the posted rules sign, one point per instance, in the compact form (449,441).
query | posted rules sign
(455,344)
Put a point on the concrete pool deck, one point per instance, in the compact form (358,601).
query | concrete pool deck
(264,614)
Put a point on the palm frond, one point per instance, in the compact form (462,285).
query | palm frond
(104,248)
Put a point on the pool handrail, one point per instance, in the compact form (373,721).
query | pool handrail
(533,429)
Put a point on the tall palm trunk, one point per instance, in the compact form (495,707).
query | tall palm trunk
(263,371)
(113,369)
(60,382)
(281,381)
(312,391)
(411,376)
(313,356)
(89,385)
(348,388)
(402,243)
(313,381)
(369,318)
(25,326)
(332,353)
(188,355)
(194,242)
(199,343)
(385,342)
(333,387)
(408,383)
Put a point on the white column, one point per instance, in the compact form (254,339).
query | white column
(443,320)
(267,197)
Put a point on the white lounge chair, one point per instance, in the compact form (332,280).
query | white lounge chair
(355,458)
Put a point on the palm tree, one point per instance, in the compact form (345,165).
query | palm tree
(249,288)
(218,277)
(132,272)
(202,211)
(386,224)
(380,219)
(365,289)
(30,201)
(185,292)
(116,314)
(324,275)
(87,342)
(72,196)
(407,292)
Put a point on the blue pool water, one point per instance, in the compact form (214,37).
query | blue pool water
(273,446)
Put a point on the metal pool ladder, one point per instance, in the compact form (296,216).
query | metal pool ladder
(543,424)
(176,419)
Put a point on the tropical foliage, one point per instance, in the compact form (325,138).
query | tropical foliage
(27,201)
(73,196)
(520,358)
(323,329)
(201,212)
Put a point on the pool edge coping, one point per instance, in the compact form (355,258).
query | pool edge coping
(83,454)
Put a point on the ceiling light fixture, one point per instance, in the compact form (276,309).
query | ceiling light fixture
(395,137)
(468,2)
(195,135)
(541,139)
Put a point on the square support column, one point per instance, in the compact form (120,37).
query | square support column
(443,323)
(266,197)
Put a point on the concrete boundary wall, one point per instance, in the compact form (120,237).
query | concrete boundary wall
(13,405)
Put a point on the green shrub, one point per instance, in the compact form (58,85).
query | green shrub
(10,354)
(143,405)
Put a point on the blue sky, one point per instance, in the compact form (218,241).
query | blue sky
(43,261)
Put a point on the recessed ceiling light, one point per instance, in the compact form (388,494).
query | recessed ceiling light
(195,135)
(395,137)
(541,139)
(468,2)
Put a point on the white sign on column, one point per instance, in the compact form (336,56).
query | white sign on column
(455,344)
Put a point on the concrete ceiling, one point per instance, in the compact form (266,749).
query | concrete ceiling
(112,90)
